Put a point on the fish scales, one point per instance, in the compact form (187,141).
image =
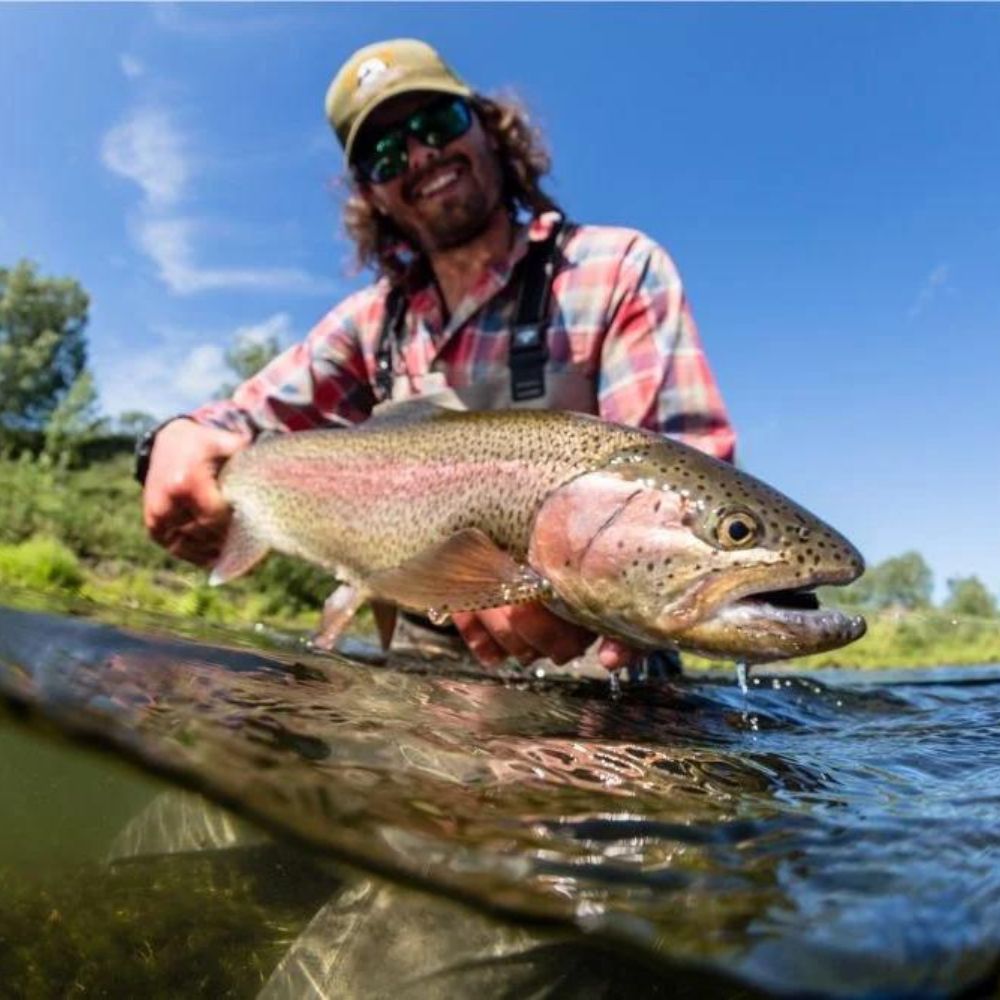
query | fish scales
(632,534)
(373,497)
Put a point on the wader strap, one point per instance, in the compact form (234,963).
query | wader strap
(529,352)
(390,336)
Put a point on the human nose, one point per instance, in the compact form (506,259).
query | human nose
(420,155)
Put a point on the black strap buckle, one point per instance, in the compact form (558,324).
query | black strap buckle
(529,355)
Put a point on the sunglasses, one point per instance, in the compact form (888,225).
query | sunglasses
(435,125)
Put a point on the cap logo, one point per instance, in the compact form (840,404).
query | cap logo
(369,71)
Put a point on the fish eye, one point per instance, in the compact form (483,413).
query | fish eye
(737,530)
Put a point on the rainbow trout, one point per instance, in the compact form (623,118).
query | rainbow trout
(631,534)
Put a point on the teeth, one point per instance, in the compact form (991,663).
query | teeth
(439,182)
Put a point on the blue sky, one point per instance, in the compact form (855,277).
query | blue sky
(826,177)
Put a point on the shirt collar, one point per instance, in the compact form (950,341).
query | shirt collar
(425,299)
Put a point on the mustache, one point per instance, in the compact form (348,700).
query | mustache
(414,182)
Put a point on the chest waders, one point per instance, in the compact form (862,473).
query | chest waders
(530,381)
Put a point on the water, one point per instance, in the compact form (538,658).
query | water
(440,832)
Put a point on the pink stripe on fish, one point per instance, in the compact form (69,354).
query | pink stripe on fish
(392,478)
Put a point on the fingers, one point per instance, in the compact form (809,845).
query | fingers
(183,509)
(481,643)
(549,635)
(615,655)
(525,632)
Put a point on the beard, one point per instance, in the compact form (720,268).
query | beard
(459,218)
(458,221)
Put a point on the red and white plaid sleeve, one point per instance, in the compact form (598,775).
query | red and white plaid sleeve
(653,371)
(322,381)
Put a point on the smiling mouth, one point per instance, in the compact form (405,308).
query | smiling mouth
(436,181)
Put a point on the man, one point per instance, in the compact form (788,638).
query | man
(483,290)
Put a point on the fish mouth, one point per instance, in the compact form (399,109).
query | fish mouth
(771,625)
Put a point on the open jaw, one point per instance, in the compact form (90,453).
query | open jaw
(771,625)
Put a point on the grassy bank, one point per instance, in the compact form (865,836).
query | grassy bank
(79,532)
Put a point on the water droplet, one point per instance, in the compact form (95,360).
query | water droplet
(438,617)
(614,685)
(743,676)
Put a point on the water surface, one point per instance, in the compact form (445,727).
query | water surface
(836,834)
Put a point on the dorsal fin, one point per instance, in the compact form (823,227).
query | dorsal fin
(416,410)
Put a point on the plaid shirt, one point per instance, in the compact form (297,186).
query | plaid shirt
(620,318)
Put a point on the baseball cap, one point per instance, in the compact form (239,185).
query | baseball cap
(380,71)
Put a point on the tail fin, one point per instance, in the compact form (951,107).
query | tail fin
(240,553)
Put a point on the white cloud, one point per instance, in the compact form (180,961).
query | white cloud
(201,371)
(277,327)
(936,282)
(148,149)
(175,370)
(131,66)
(180,373)
(170,243)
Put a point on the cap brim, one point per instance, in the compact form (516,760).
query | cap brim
(433,84)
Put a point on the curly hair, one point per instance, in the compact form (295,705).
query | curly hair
(524,160)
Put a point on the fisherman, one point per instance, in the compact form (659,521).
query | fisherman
(484,290)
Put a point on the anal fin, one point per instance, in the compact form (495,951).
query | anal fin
(338,610)
(385,621)
(467,572)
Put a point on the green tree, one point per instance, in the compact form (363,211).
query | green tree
(133,423)
(967,595)
(42,346)
(904,581)
(74,421)
(246,357)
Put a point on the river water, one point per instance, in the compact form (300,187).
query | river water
(427,830)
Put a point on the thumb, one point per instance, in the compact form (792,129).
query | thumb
(614,655)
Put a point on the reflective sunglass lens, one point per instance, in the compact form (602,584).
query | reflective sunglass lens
(435,126)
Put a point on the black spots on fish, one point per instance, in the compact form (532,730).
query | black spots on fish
(657,506)
(650,566)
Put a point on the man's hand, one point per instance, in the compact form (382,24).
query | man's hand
(182,507)
(529,632)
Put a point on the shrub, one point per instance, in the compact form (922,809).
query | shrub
(40,563)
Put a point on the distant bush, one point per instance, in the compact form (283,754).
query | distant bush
(918,638)
(94,511)
(40,564)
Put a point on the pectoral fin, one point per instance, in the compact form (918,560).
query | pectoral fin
(338,610)
(465,573)
(241,551)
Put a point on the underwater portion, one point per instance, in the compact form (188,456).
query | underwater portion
(426,829)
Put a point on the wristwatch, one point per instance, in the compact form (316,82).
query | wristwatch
(144,448)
